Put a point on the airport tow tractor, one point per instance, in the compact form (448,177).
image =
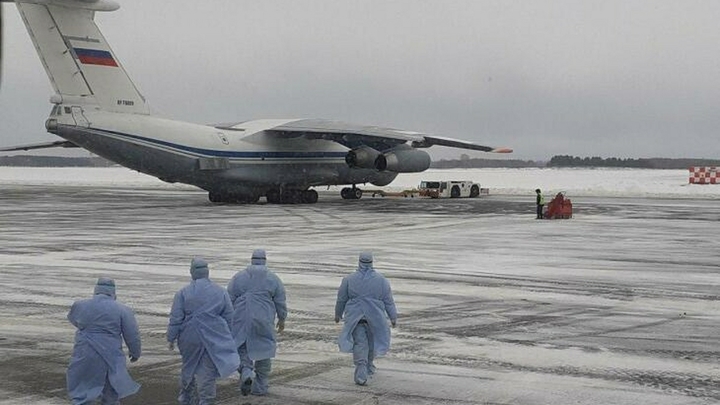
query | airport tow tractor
(437,189)
(450,189)
(559,208)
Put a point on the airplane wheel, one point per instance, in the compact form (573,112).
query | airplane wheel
(345,193)
(249,199)
(357,194)
(273,196)
(309,196)
(215,197)
(291,197)
(230,198)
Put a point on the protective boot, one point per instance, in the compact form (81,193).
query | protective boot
(262,375)
(246,380)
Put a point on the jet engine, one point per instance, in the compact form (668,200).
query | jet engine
(363,157)
(403,160)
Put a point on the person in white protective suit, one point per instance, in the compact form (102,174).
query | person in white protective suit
(97,368)
(365,302)
(258,297)
(200,321)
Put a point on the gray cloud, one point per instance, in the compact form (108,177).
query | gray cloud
(608,78)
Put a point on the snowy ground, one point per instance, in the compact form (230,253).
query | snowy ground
(619,305)
(604,182)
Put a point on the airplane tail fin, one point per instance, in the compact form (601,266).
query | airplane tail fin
(78,60)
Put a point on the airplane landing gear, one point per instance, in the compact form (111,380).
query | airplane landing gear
(351,193)
(274,196)
(232,198)
(309,197)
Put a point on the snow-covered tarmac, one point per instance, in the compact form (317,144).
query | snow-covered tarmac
(619,305)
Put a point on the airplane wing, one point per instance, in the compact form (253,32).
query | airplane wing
(44,145)
(457,143)
(379,138)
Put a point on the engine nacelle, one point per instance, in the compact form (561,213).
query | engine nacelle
(363,157)
(405,160)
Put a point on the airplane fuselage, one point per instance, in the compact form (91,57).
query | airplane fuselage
(239,160)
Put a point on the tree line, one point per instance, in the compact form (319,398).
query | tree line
(648,163)
(574,161)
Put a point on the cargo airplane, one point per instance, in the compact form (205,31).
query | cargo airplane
(96,106)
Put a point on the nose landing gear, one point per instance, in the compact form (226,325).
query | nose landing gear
(351,193)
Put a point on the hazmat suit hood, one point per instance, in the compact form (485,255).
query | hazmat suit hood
(365,262)
(258,257)
(199,268)
(105,286)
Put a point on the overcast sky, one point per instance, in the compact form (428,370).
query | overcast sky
(590,78)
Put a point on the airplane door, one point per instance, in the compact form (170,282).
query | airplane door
(79,117)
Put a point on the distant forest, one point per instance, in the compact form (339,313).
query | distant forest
(575,161)
(652,163)
(463,163)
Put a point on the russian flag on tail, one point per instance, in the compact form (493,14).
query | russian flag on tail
(94,57)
